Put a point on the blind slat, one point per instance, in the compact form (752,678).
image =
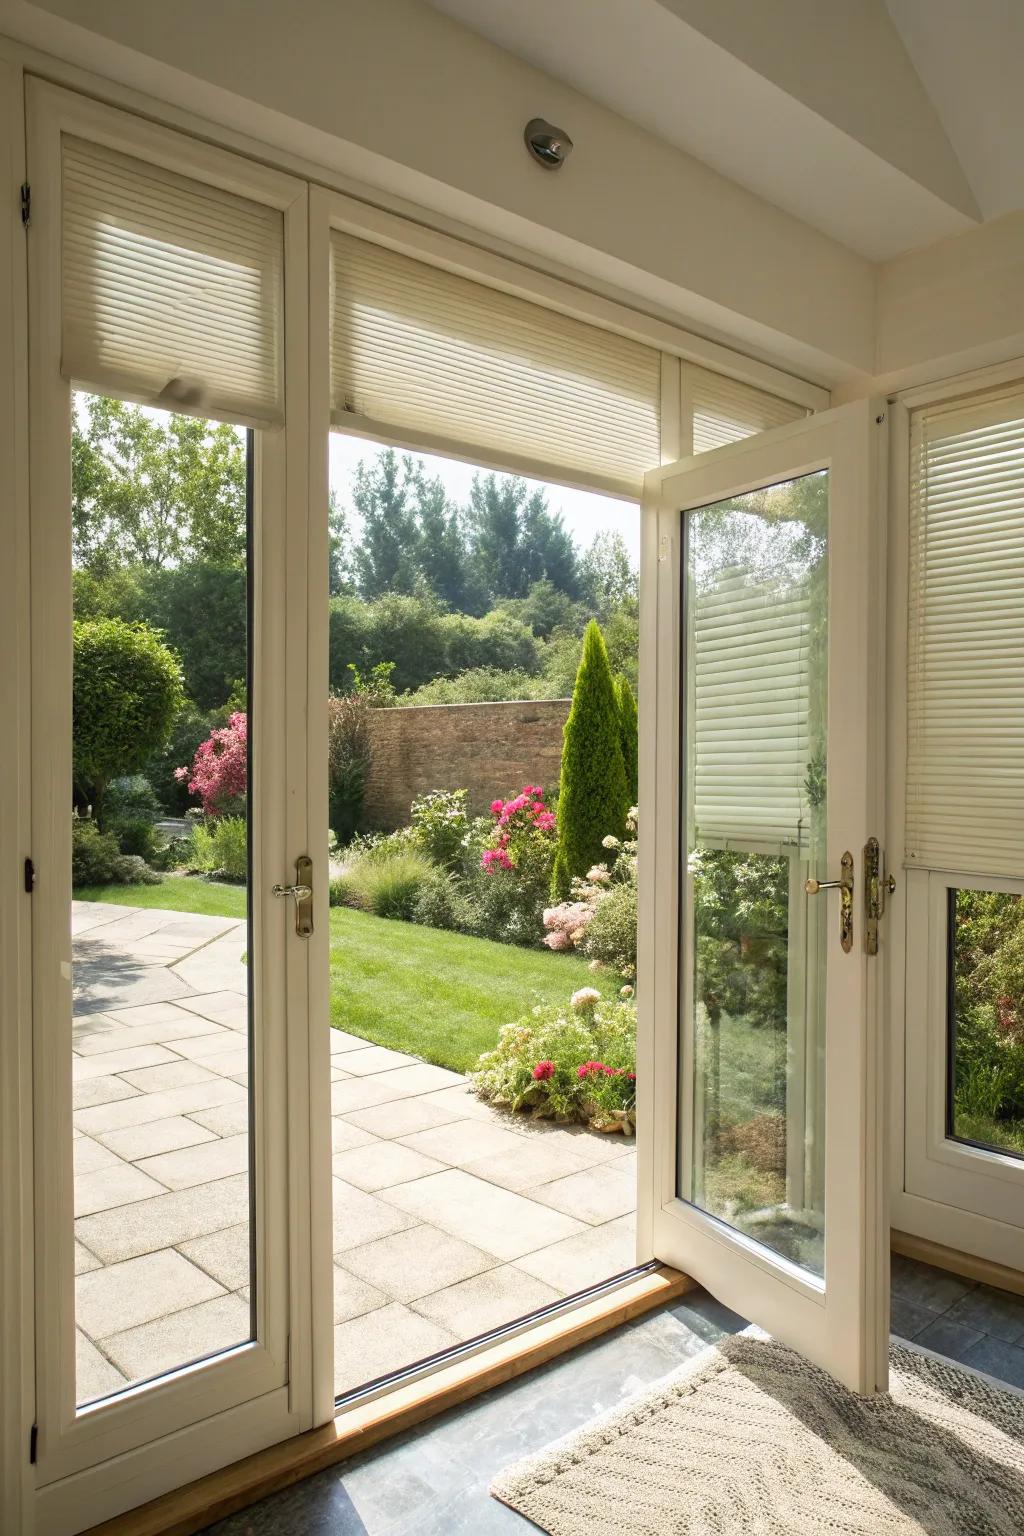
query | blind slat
(172,290)
(965,681)
(723,410)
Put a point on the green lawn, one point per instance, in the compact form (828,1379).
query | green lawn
(442,996)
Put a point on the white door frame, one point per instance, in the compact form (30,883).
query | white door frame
(95,1463)
(841,1324)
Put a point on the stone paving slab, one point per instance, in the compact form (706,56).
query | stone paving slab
(449,1215)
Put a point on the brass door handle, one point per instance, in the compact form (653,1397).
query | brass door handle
(844,885)
(302,894)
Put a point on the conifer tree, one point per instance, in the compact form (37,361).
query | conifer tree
(629,731)
(593,795)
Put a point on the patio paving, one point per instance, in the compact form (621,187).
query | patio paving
(450,1217)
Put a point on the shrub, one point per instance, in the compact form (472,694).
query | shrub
(441,902)
(220,769)
(481,685)
(220,846)
(127,691)
(576,1062)
(601,918)
(96,859)
(610,936)
(593,795)
(132,798)
(348,760)
(629,735)
(441,825)
(515,865)
(386,886)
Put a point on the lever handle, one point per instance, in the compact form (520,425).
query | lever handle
(302,894)
(812,887)
(844,885)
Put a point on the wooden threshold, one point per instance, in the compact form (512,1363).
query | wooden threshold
(966,1264)
(192,1508)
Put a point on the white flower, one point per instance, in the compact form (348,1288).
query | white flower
(586,997)
(610,842)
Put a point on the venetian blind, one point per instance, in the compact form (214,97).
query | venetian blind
(418,351)
(171,289)
(723,410)
(965,677)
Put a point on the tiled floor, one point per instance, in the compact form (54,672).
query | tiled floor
(449,1217)
(971,1323)
(434,1481)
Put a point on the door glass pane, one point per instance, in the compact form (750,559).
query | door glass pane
(160,800)
(985,991)
(752,942)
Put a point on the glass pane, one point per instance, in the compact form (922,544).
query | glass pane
(753,957)
(161,1030)
(986,1019)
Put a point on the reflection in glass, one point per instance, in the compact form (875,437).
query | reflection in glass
(753,971)
(986,1019)
(160,870)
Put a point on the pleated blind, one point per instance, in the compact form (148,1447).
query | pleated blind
(751,738)
(723,410)
(965,678)
(171,289)
(422,351)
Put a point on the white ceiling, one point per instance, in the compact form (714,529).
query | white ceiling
(918,136)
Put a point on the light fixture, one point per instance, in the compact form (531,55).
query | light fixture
(549,146)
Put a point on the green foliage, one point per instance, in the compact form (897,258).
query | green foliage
(988,986)
(96,859)
(610,580)
(154,491)
(385,884)
(202,612)
(441,825)
(132,798)
(741,919)
(545,608)
(593,795)
(220,846)
(611,933)
(348,760)
(547,1062)
(441,902)
(629,733)
(480,685)
(127,691)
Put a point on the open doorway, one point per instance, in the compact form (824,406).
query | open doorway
(483,899)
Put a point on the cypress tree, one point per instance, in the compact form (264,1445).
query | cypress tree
(629,730)
(593,794)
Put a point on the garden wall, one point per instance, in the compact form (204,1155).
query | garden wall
(490,749)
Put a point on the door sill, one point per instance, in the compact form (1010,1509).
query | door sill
(364,1423)
(988,1271)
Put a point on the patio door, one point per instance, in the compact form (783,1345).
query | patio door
(762,883)
(169,615)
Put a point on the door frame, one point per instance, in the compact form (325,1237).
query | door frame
(95,1463)
(843,1323)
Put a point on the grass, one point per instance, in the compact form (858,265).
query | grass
(442,996)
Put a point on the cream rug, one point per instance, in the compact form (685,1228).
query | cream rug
(750,1438)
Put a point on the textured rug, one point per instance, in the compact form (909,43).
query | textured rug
(750,1438)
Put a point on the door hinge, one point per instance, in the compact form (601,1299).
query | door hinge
(33,1444)
(26,204)
(30,877)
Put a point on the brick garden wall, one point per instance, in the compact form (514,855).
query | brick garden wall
(490,749)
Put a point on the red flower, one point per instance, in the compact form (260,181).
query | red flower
(543,1070)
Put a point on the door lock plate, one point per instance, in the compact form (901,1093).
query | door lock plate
(302,894)
(877,885)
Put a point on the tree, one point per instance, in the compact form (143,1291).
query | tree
(608,574)
(516,541)
(593,795)
(339,548)
(155,491)
(385,496)
(220,769)
(629,734)
(441,552)
(127,691)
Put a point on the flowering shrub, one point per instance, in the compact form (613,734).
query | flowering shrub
(514,856)
(441,823)
(600,920)
(219,771)
(523,827)
(575,1062)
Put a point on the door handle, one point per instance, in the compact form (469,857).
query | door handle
(844,885)
(302,894)
(877,885)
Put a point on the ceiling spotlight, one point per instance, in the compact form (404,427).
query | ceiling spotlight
(549,146)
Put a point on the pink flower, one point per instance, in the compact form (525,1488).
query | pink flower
(558,940)
(495,857)
(543,1070)
(181,774)
(497,806)
(220,767)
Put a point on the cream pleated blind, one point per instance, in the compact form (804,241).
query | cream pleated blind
(418,351)
(171,289)
(751,734)
(965,677)
(723,410)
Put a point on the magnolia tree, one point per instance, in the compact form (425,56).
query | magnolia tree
(219,771)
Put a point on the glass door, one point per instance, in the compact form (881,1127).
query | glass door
(169,646)
(761,1160)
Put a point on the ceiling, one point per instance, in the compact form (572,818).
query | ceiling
(887,124)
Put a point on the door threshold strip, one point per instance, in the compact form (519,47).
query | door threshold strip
(369,1419)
